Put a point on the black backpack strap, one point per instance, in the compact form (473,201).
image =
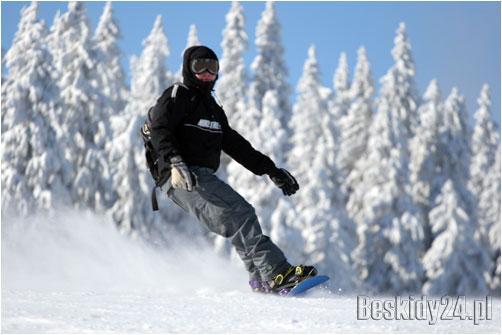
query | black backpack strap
(155,204)
(176,85)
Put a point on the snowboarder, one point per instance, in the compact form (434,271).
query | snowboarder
(188,131)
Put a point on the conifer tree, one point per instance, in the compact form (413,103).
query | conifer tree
(491,196)
(110,75)
(454,147)
(305,128)
(193,37)
(455,263)
(354,127)
(407,99)
(387,220)
(146,84)
(268,66)
(327,237)
(82,127)
(341,83)
(484,143)
(192,40)
(272,139)
(484,180)
(231,87)
(32,167)
(110,81)
(426,174)
(132,181)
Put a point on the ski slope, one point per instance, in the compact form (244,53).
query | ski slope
(75,273)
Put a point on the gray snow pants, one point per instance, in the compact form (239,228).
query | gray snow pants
(223,211)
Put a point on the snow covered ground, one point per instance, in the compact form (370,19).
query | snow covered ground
(203,310)
(74,273)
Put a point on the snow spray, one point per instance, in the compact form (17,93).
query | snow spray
(76,250)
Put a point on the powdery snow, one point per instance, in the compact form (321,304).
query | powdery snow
(205,310)
(81,275)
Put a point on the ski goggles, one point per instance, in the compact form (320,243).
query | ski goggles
(205,64)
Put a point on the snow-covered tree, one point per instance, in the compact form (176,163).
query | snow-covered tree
(484,180)
(353,128)
(272,138)
(456,263)
(308,129)
(387,220)
(193,37)
(110,75)
(192,40)
(407,99)
(269,138)
(54,42)
(132,209)
(132,181)
(426,173)
(31,162)
(231,87)
(454,147)
(384,214)
(82,130)
(424,148)
(341,83)
(146,83)
(341,80)
(320,219)
(269,68)
(110,81)
(484,143)
(491,197)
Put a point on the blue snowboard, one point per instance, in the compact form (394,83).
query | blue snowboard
(306,285)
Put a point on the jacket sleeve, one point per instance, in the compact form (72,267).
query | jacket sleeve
(165,118)
(243,152)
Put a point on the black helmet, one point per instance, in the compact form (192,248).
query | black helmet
(205,54)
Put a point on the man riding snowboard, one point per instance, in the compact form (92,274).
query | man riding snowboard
(188,131)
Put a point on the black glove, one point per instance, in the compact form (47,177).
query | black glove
(181,177)
(284,180)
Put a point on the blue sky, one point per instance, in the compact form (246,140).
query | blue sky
(458,43)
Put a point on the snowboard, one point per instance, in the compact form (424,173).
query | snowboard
(305,285)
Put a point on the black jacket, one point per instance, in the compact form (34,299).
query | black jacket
(195,127)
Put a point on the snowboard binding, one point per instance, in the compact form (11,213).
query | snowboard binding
(283,283)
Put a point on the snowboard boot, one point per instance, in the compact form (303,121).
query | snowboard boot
(282,283)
